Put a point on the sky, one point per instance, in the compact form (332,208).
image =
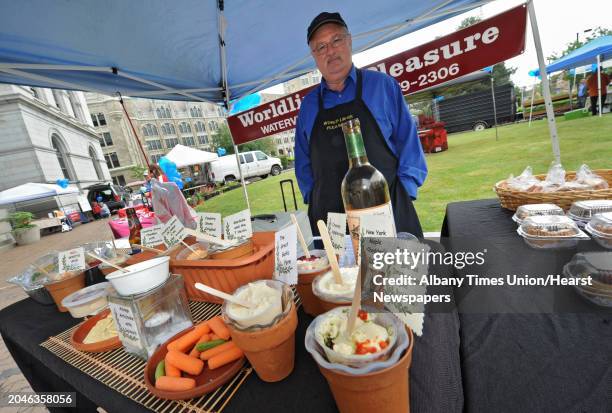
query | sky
(558,23)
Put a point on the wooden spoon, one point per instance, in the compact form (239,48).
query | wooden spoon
(110,264)
(331,253)
(300,236)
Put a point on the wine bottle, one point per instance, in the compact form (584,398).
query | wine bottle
(135,226)
(364,188)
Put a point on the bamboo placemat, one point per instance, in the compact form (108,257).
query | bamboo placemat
(123,372)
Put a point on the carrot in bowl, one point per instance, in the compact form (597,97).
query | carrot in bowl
(188,340)
(224,358)
(218,327)
(175,383)
(184,362)
(171,370)
(208,354)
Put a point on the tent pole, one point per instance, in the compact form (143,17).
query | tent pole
(599,83)
(494,105)
(532,97)
(575,87)
(144,155)
(225,86)
(550,114)
(523,101)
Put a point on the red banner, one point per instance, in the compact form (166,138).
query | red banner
(483,44)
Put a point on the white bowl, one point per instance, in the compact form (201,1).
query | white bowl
(141,277)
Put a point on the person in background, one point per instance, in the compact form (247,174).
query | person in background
(156,172)
(593,87)
(96,210)
(582,93)
(105,212)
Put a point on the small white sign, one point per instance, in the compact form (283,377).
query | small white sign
(285,263)
(377,226)
(209,223)
(173,232)
(126,325)
(152,236)
(84,203)
(238,226)
(71,260)
(336,226)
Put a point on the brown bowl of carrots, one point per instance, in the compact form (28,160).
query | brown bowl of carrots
(194,362)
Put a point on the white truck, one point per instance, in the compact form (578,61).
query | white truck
(252,163)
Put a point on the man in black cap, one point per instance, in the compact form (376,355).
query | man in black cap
(388,130)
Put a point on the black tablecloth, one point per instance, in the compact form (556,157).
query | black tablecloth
(525,349)
(435,376)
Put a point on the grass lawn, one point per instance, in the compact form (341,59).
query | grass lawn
(474,162)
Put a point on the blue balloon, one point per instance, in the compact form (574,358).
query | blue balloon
(99,198)
(62,182)
(188,179)
(221,151)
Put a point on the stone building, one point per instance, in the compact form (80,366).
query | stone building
(47,135)
(160,125)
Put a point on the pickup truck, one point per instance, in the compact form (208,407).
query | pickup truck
(252,163)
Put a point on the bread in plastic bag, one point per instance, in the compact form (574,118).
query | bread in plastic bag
(168,201)
(590,179)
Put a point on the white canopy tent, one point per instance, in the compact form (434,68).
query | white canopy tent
(184,156)
(32,191)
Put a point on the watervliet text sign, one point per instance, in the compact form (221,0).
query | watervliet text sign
(483,44)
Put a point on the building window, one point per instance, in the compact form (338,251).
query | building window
(60,152)
(105,139)
(172,142)
(154,145)
(196,112)
(199,126)
(163,113)
(155,158)
(188,141)
(98,120)
(203,139)
(96,164)
(168,129)
(213,125)
(119,180)
(184,127)
(112,161)
(149,130)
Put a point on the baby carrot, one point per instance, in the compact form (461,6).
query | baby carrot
(184,362)
(172,370)
(175,383)
(213,336)
(218,327)
(188,340)
(208,354)
(225,358)
(194,351)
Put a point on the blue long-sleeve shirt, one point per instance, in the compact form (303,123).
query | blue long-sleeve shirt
(383,97)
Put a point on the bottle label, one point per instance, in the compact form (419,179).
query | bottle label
(354,145)
(353,219)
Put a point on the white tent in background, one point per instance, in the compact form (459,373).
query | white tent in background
(184,156)
(32,191)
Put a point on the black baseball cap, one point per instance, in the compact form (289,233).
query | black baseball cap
(322,19)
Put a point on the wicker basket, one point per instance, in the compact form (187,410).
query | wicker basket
(226,274)
(511,199)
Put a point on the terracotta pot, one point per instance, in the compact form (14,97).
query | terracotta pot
(63,288)
(242,250)
(310,302)
(270,351)
(328,305)
(384,391)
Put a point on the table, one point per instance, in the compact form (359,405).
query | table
(435,384)
(121,229)
(525,348)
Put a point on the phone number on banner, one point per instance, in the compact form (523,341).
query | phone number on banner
(50,399)
(424,80)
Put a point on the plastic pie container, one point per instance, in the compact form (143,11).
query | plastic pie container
(583,211)
(551,232)
(141,277)
(600,228)
(598,266)
(530,210)
(87,301)
(317,265)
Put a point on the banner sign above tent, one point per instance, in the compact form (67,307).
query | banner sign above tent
(483,44)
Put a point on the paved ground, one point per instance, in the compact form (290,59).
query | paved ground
(15,260)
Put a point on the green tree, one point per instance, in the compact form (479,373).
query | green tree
(575,44)
(138,171)
(468,21)
(265,145)
(223,139)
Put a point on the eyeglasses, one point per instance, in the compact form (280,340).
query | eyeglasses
(336,42)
